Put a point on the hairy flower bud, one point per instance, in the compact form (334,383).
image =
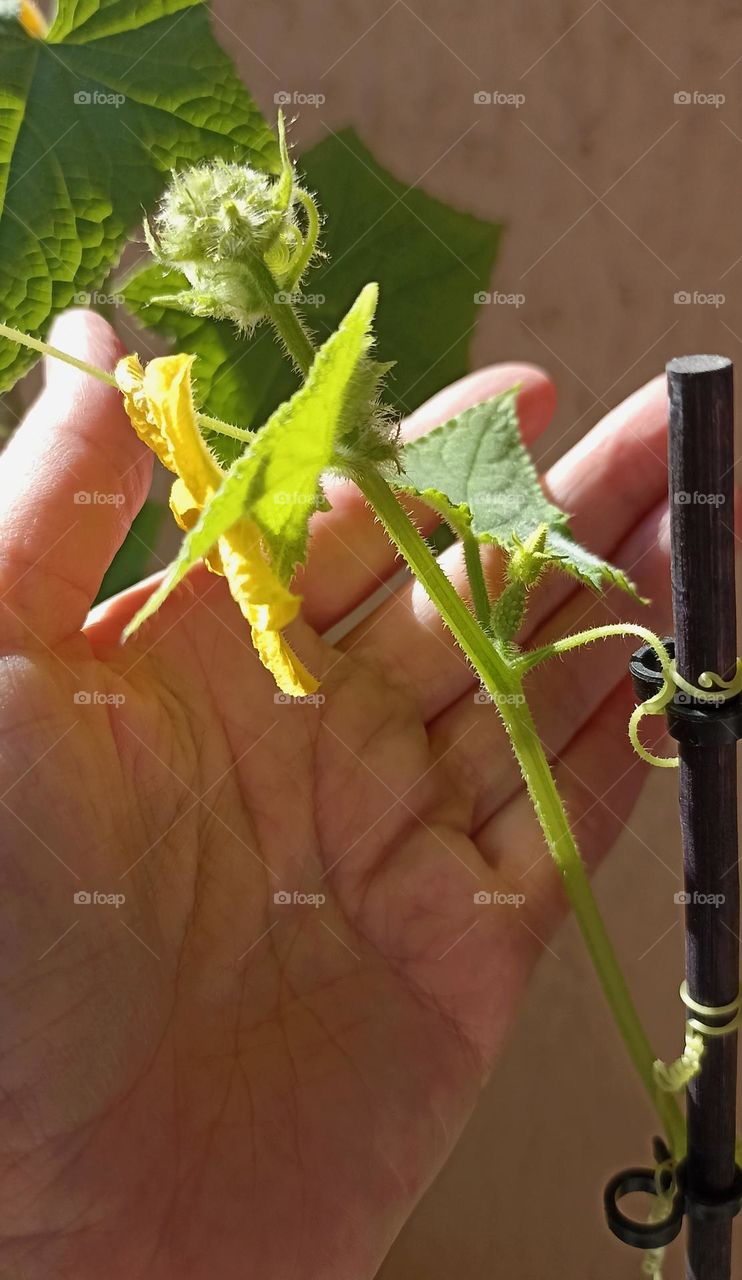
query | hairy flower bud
(235,234)
(527,561)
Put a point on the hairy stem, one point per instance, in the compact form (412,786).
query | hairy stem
(475,574)
(309,245)
(527,661)
(283,317)
(505,686)
(25,340)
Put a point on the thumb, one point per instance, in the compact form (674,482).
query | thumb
(72,479)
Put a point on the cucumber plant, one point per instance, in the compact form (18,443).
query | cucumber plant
(238,243)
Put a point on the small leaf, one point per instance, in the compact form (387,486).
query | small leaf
(428,258)
(477,473)
(276,482)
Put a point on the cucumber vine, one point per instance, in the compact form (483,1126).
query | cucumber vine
(239,242)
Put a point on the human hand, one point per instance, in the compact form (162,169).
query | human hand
(206,1080)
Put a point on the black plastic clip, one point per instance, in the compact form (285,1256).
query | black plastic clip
(645,1235)
(689,721)
(655,1235)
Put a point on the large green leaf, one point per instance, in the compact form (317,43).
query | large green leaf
(476,471)
(91,120)
(276,482)
(428,259)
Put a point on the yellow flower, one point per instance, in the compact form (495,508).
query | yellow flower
(159,402)
(31,19)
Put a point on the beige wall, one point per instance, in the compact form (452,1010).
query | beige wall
(615,197)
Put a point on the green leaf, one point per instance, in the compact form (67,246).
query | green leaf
(91,121)
(476,471)
(133,557)
(428,259)
(276,482)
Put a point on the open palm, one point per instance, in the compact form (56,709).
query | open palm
(249,994)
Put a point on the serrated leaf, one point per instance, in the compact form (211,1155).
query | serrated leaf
(428,259)
(276,483)
(91,120)
(476,471)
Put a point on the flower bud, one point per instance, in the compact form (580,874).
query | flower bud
(234,234)
(528,559)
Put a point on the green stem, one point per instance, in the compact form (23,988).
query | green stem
(476,645)
(225,428)
(475,574)
(310,243)
(554,823)
(25,340)
(293,334)
(505,686)
(527,661)
(283,317)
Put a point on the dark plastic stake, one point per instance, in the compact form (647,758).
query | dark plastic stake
(702,516)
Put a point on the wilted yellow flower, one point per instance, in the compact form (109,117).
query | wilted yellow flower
(159,402)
